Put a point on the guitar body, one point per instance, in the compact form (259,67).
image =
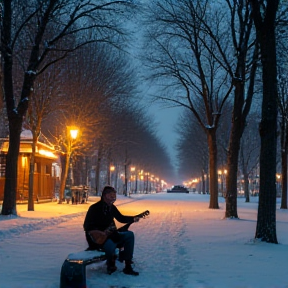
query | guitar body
(99,237)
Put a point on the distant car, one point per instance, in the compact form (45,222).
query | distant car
(178,189)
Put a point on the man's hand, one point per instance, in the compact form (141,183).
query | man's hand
(136,219)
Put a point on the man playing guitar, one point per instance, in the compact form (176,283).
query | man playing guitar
(102,234)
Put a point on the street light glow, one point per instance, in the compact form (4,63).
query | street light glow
(74,133)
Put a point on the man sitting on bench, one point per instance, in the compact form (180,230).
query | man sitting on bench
(102,234)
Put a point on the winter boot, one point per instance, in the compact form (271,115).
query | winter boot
(128,269)
(121,256)
(111,267)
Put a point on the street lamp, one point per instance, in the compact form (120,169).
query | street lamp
(67,144)
(132,169)
(73,133)
(278,181)
(147,181)
(221,180)
(112,169)
(225,185)
(141,181)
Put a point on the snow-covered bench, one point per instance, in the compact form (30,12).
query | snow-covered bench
(73,271)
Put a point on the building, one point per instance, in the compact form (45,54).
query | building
(46,174)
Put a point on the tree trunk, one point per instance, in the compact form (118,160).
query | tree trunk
(232,168)
(203,186)
(15,113)
(241,109)
(284,181)
(213,185)
(246,186)
(31,173)
(10,189)
(266,218)
(64,163)
(284,143)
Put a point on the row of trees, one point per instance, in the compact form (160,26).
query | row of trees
(208,56)
(62,65)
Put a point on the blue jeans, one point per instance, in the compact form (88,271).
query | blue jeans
(126,240)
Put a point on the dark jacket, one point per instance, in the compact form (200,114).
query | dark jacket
(100,216)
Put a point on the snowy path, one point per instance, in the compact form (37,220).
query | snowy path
(181,244)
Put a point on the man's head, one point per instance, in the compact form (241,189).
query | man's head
(109,195)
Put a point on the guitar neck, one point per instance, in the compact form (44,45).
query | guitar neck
(126,226)
(143,214)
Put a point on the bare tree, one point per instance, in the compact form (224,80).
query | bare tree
(40,106)
(249,152)
(31,32)
(242,71)
(264,16)
(192,162)
(283,126)
(191,66)
(282,62)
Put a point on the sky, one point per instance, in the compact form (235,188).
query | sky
(165,118)
(182,243)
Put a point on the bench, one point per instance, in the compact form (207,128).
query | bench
(73,271)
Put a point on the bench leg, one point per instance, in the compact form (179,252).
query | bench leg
(73,275)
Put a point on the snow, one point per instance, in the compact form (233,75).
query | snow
(181,244)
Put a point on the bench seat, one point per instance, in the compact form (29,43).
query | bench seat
(73,271)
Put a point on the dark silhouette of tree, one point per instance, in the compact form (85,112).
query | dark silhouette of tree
(242,71)
(283,126)
(264,16)
(282,62)
(249,152)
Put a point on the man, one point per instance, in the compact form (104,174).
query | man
(101,232)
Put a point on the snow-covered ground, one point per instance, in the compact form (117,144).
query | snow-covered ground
(181,244)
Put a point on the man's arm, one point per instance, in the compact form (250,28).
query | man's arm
(120,217)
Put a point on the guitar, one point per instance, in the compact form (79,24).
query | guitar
(99,237)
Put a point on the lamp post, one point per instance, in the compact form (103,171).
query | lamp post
(110,178)
(278,181)
(141,181)
(225,188)
(152,183)
(147,181)
(221,180)
(132,169)
(72,134)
